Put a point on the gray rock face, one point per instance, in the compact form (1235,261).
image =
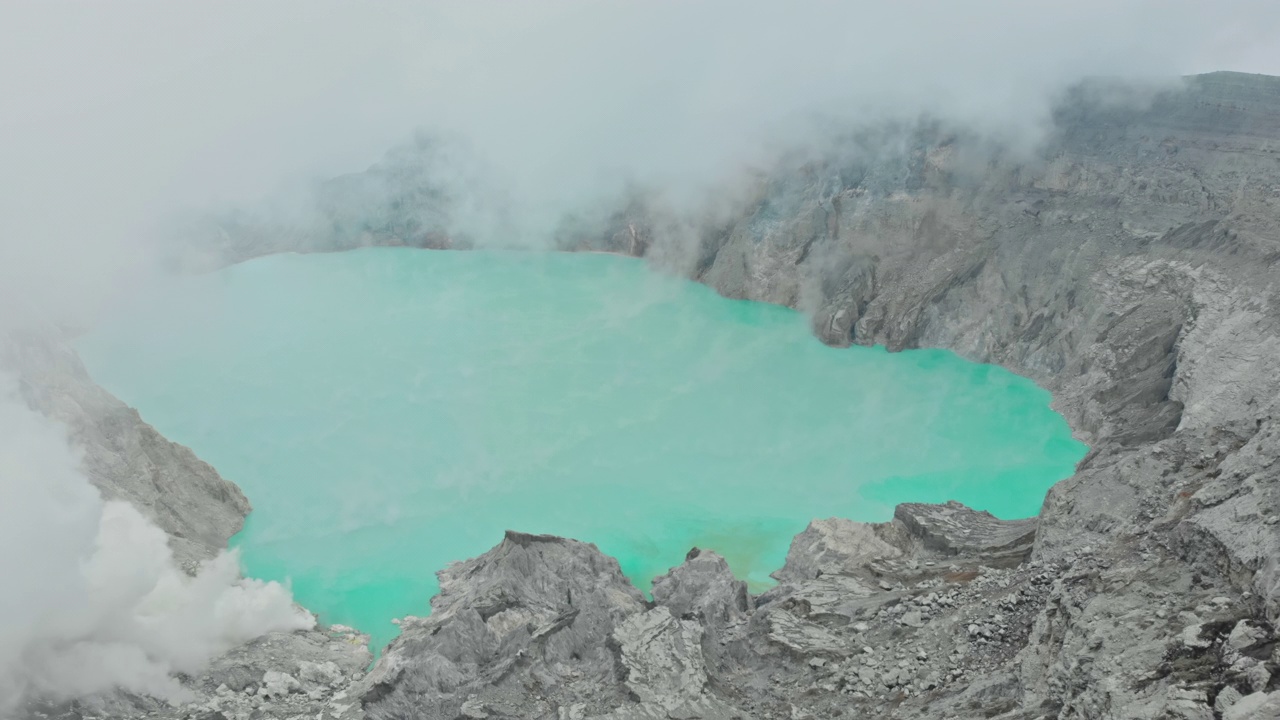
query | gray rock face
(519,631)
(953,530)
(703,587)
(960,630)
(666,670)
(124,457)
(314,658)
(840,547)
(1254,707)
(918,533)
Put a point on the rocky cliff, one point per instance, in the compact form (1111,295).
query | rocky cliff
(123,456)
(1130,265)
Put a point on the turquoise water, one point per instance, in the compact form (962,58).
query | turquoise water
(389,411)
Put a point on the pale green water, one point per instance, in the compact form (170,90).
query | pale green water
(389,411)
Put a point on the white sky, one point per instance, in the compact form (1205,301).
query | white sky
(114,114)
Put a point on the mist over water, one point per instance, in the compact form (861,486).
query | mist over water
(388,411)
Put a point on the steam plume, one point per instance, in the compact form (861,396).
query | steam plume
(93,598)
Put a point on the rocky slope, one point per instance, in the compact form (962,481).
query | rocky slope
(124,457)
(1130,265)
(939,613)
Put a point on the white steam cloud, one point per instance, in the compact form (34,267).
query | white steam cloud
(93,599)
(117,117)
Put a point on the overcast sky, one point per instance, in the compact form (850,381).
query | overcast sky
(117,113)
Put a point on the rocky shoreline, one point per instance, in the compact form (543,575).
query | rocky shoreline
(1130,267)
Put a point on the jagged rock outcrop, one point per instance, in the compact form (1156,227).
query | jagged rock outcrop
(937,635)
(545,627)
(703,587)
(702,648)
(665,670)
(519,631)
(950,532)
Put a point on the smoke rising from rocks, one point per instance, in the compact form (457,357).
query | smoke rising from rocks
(93,598)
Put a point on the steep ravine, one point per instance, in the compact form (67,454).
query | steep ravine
(1130,267)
